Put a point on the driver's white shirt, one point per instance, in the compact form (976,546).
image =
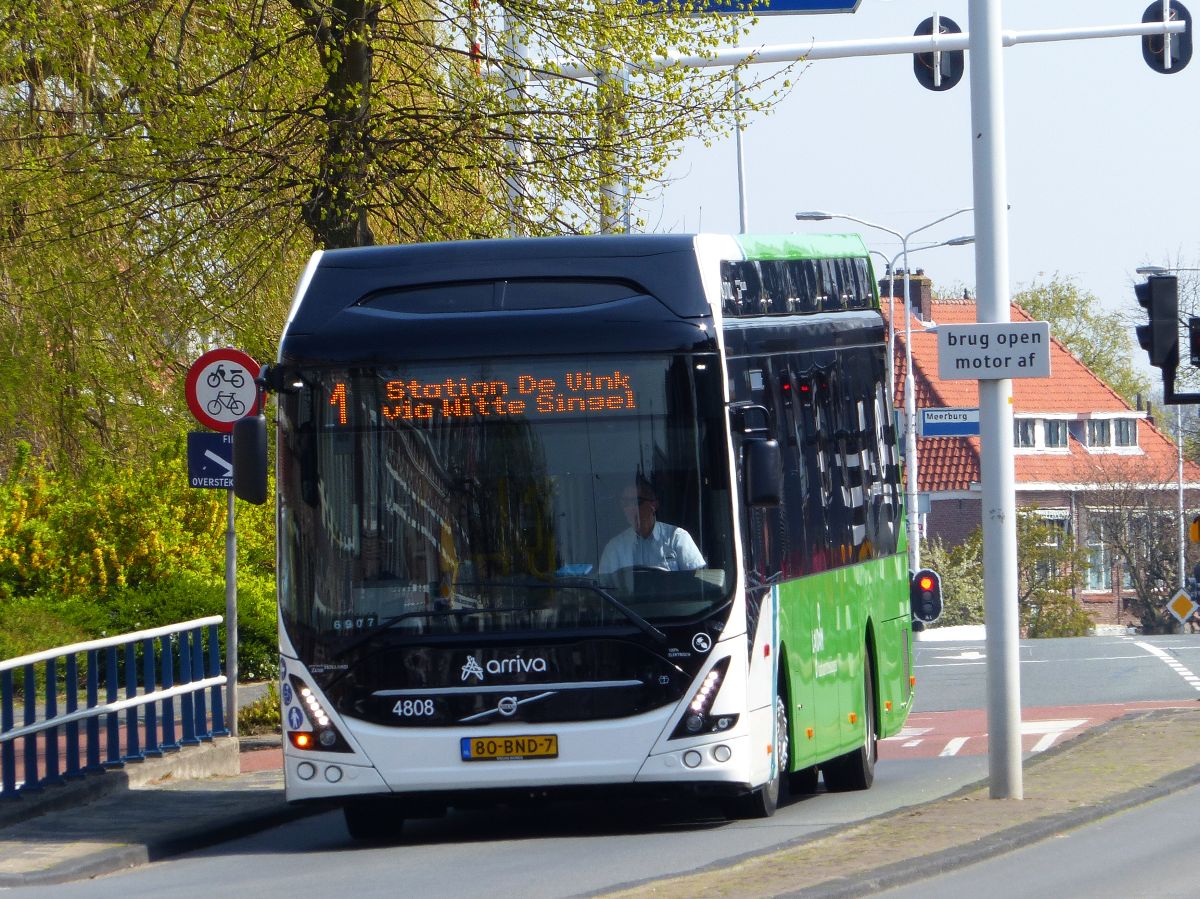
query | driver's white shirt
(667,547)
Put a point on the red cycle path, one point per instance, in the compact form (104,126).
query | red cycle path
(964,731)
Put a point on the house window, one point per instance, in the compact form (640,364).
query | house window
(1099,432)
(1099,574)
(1125,431)
(1056,433)
(1058,529)
(1023,432)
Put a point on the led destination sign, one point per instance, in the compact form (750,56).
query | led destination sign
(414,399)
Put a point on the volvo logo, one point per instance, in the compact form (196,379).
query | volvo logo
(507,706)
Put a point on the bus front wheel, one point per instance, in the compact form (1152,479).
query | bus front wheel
(856,770)
(762,802)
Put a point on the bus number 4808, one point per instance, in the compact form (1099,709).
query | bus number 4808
(413,708)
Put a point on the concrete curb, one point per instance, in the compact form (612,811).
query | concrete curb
(217,757)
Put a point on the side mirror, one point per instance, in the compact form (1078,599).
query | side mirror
(925,594)
(763,467)
(250,459)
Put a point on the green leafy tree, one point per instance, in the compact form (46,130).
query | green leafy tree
(1100,340)
(1132,513)
(961,570)
(1050,569)
(165,168)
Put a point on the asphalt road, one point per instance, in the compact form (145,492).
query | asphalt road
(1147,851)
(569,849)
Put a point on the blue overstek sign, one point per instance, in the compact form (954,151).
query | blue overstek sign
(210,460)
(783,7)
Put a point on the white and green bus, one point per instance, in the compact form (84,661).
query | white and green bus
(585,515)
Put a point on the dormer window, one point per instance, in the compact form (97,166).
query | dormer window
(1023,432)
(1125,431)
(1056,433)
(1099,432)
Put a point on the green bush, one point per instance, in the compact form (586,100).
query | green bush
(119,550)
(1049,572)
(261,716)
(961,569)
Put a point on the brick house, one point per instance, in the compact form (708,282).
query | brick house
(1072,436)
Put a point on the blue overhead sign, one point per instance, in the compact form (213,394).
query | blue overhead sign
(783,7)
(210,460)
(775,7)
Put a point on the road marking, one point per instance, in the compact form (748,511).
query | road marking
(953,746)
(952,665)
(1172,663)
(911,743)
(1050,730)
(907,733)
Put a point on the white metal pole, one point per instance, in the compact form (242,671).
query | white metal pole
(995,404)
(515,70)
(1182,526)
(910,427)
(743,214)
(231,620)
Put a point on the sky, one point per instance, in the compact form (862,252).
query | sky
(1100,150)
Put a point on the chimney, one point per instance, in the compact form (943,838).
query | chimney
(920,292)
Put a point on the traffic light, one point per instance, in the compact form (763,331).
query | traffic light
(1194,531)
(1154,46)
(942,70)
(1159,296)
(925,595)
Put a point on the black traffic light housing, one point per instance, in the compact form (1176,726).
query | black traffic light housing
(1159,296)
(942,70)
(925,595)
(1154,45)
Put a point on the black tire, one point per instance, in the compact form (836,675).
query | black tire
(762,802)
(804,781)
(856,770)
(373,819)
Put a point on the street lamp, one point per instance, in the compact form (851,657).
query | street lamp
(910,401)
(890,265)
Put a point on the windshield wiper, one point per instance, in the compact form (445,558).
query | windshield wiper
(389,623)
(580,583)
(584,583)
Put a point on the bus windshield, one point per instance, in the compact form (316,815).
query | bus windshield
(502,496)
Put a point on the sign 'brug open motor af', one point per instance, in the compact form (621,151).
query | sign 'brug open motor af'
(992,351)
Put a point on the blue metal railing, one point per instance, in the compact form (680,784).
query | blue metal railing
(153,666)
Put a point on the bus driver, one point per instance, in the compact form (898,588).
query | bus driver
(648,542)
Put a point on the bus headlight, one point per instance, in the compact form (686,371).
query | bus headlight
(696,718)
(322,735)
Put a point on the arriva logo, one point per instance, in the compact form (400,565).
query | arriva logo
(472,669)
(517,665)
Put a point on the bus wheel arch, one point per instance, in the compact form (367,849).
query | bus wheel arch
(855,770)
(762,801)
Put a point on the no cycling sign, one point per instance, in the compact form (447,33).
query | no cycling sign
(220,388)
